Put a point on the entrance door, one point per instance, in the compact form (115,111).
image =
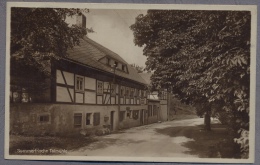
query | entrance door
(112,120)
(142,117)
(145,116)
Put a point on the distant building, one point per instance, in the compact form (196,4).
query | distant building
(91,89)
(157,101)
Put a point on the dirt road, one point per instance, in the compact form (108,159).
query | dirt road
(145,141)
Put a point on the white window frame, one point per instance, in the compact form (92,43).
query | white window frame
(77,88)
(90,120)
(113,91)
(122,88)
(132,93)
(98,92)
(127,94)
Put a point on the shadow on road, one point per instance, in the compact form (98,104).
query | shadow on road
(217,143)
(106,142)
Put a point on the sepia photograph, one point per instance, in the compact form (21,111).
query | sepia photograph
(130,82)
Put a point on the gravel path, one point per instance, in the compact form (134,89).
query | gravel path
(143,141)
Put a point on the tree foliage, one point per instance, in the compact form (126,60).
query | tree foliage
(39,34)
(202,56)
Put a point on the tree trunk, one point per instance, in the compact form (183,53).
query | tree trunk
(207,126)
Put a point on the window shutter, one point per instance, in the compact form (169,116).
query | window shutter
(77,119)
(96,119)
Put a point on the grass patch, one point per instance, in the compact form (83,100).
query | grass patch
(217,143)
(28,145)
(180,111)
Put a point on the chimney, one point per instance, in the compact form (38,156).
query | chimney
(81,20)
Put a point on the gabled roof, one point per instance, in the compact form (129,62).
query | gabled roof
(90,52)
(105,51)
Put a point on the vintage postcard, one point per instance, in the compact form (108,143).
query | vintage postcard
(130,82)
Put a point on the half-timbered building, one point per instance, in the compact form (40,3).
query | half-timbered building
(92,88)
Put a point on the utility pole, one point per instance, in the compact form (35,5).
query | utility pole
(118,98)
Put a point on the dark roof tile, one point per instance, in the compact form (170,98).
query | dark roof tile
(146,77)
(89,52)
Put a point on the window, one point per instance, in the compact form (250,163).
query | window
(135,114)
(113,89)
(142,93)
(96,120)
(106,87)
(115,64)
(88,118)
(148,95)
(163,95)
(79,83)
(132,92)
(123,67)
(99,87)
(122,91)
(137,92)
(127,91)
(129,113)
(77,120)
(44,118)
(19,94)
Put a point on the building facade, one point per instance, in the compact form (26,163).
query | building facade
(91,89)
(158,101)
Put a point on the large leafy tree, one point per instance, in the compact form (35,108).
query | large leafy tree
(203,57)
(37,35)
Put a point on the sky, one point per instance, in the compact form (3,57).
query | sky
(112,30)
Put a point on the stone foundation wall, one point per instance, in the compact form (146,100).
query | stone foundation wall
(58,119)
(31,119)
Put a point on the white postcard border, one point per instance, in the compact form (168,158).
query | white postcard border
(252,8)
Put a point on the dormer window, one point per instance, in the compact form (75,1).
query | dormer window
(108,61)
(115,64)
